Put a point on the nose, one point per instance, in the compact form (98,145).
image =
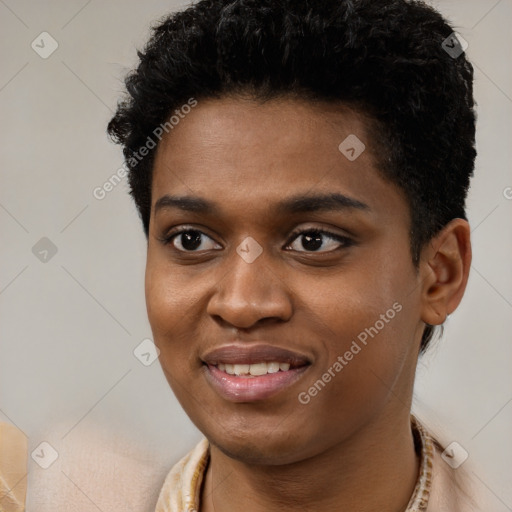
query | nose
(250,293)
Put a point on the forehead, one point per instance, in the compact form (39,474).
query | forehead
(244,152)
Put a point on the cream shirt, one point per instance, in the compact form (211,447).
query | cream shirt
(13,473)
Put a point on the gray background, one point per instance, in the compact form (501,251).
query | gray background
(69,325)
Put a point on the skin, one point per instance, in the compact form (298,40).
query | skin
(351,446)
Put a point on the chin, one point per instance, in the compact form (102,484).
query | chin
(261,447)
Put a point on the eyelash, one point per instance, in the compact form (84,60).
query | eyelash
(343,240)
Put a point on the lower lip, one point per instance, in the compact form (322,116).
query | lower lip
(251,389)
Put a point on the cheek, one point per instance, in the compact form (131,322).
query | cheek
(346,304)
(365,326)
(167,316)
(169,303)
(161,299)
(172,296)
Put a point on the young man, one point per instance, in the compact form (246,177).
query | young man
(301,169)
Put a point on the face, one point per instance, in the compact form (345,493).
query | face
(271,251)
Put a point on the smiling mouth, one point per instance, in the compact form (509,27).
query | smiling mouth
(250,372)
(254,369)
(253,382)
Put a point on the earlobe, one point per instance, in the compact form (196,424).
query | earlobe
(444,270)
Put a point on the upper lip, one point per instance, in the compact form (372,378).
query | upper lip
(254,353)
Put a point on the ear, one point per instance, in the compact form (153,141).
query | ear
(444,268)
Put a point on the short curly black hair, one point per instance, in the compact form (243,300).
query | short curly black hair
(396,61)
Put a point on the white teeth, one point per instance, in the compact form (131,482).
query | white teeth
(272,367)
(241,369)
(258,369)
(255,369)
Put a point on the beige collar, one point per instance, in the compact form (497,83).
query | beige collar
(425,448)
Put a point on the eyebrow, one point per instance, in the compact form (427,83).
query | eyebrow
(295,204)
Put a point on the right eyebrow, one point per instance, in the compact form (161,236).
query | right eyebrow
(186,203)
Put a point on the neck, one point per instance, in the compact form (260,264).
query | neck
(376,466)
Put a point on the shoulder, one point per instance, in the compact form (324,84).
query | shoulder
(454,486)
(447,481)
(13,468)
(95,463)
(181,489)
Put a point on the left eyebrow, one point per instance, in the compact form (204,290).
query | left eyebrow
(316,203)
(292,205)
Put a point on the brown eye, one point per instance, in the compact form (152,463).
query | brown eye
(315,240)
(190,240)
